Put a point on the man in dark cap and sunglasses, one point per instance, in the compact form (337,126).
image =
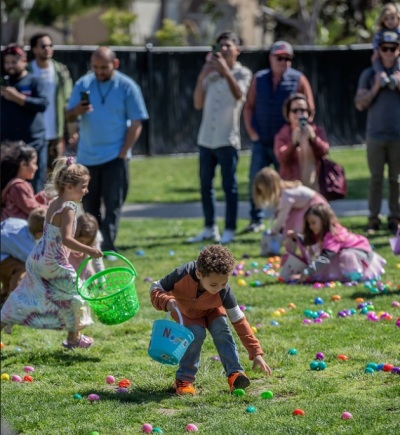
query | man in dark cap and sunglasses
(263,114)
(383,130)
(23,102)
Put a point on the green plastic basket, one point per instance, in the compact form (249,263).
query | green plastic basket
(110,293)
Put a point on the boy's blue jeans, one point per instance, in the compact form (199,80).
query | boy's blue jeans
(224,343)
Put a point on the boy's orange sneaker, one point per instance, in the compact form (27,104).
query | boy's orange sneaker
(238,380)
(184,387)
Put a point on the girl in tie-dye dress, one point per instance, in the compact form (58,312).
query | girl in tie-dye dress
(47,298)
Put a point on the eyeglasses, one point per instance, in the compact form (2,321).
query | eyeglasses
(386,48)
(299,110)
(283,59)
(46,45)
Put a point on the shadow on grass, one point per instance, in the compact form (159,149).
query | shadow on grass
(135,395)
(56,358)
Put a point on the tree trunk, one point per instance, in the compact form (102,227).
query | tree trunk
(14,14)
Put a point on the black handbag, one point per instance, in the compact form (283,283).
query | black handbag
(331,180)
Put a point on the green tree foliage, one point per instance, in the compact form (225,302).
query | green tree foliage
(171,34)
(118,24)
(47,12)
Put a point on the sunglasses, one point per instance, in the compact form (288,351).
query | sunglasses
(283,59)
(46,45)
(299,110)
(386,48)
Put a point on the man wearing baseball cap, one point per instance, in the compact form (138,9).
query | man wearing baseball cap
(23,101)
(263,114)
(383,130)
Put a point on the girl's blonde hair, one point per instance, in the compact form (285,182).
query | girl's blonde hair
(388,8)
(328,220)
(268,186)
(65,172)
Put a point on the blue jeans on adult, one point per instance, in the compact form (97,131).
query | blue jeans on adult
(39,179)
(224,342)
(262,155)
(227,157)
(108,183)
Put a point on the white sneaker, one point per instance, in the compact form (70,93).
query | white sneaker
(227,237)
(209,233)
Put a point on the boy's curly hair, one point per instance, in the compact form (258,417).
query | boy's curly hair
(215,259)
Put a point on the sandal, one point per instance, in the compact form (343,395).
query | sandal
(83,342)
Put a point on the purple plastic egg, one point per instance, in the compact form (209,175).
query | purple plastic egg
(306,321)
(320,356)
(29,369)
(16,378)
(93,397)
(317,320)
(122,390)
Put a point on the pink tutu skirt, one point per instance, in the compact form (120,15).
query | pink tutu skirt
(351,265)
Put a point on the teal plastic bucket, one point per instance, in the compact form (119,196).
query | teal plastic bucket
(169,340)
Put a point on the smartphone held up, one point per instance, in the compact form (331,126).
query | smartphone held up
(85,98)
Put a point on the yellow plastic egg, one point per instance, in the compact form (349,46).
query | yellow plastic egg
(254,329)
(241,282)
(277,313)
(5,377)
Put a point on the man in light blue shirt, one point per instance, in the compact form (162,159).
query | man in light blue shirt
(111,109)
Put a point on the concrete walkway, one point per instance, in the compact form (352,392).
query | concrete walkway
(342,208)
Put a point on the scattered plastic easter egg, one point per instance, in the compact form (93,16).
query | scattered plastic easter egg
(157,430)
(292,351)
(387,367)
(307,321)
(93,397)
(171,253)
(318,301)
(314,365)
(372,365)
(267,394)
(16,378)
(110,379)
(17,349)
(5,377)
(319,355)
(77,396)
(28,369)
(292,306)
(241,282)
(147,428)
(122,390)
(369,370)
(242,307)
(251,410)
(140,253)
(124,383)
(322,365)
(343,357)
(298,412)
(277,313)
(395,304)
(27,378)
(148,279)
(238,392)
(94,433)
(254,329)
(335,298)
(1,345)
(191,428)
(274,323)
(347,416)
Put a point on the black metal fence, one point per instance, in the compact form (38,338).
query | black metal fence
(168,76)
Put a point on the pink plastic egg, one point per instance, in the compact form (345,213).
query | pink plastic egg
(191,428)
(16,378)
(147,428)
(347,416)
(93,397)
(28,369)
(110,379)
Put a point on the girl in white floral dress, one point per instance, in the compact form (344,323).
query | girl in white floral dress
(47,297)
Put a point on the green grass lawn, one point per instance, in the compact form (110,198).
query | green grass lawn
(175,178)
(47,406)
